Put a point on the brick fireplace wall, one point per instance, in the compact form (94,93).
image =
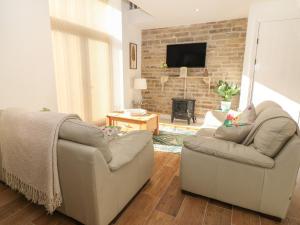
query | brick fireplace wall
(224,60)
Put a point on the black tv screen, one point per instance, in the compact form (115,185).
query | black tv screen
(189,55)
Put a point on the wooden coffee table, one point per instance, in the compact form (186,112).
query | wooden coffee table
(148,122)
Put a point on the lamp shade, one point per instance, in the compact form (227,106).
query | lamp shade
(140,84)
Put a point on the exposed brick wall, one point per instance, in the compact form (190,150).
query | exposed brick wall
(224,60)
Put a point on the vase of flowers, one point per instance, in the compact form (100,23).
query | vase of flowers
(226,91)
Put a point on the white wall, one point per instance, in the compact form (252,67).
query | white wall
(26,63)
(262,12)
(114,27)
(131,33)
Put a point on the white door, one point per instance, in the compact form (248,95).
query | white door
(277,69)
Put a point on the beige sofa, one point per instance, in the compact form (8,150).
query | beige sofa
(98,178)
(240,174)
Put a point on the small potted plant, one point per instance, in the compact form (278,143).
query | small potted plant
(226,91)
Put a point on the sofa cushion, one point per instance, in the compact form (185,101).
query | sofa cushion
(273,135)
(266,105)
(86,134)
(233,133)
(248,115)
(228,150)
(237,125)
(125,148)
(206,132)
(273,127)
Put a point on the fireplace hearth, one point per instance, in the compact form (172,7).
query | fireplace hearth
(183,109)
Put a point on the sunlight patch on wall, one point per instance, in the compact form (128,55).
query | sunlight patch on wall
(265,93)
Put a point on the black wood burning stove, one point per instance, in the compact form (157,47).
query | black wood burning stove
(183,109)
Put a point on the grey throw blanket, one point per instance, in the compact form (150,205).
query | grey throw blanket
(266,115)
(28,142)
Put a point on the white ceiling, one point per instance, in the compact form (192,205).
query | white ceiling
(180,12)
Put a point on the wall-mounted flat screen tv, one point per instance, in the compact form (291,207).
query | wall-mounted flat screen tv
(189,55)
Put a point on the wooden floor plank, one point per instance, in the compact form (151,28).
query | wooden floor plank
(3,187)
(64,220)
(292,221)
(156,204)
(160,218)
(216,215)
(160,159)
(172,199)
(173,160)
(244,217)
(8,196)
(13,207)
(192,211)
(220,204)
(25,216)
(47,219)
(138,211)
(267,220)
(160,181)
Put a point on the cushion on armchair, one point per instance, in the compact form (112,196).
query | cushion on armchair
(234,134)
(273,134)
(207,132)
(125,148)
(86,134)
(248,115)
(228,150)
(271,130)
(266,105)
(239,127)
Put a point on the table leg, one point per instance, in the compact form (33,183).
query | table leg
(109,121)
(156,131)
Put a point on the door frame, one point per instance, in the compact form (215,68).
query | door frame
(252,71)
(253,59)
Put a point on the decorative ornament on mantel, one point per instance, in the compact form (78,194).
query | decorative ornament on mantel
(183,74)
(164,78)
(163,81)
(207,79)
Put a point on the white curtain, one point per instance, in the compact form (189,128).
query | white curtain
(82,37)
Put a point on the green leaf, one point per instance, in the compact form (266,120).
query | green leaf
(226,90)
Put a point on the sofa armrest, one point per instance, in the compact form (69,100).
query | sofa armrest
(228,150)
(125,148)
(83,174)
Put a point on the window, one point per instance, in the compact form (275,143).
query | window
(82,57)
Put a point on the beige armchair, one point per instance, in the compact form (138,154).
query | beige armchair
(98,178)
(241,174)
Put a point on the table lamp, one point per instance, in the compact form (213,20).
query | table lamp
(139,84)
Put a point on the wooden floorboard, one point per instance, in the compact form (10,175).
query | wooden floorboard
(172,199)
(13,207)
(244,217)
(2,187)
(192,211)
(160,202)
(160,218)
(139,210)
(216,215)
